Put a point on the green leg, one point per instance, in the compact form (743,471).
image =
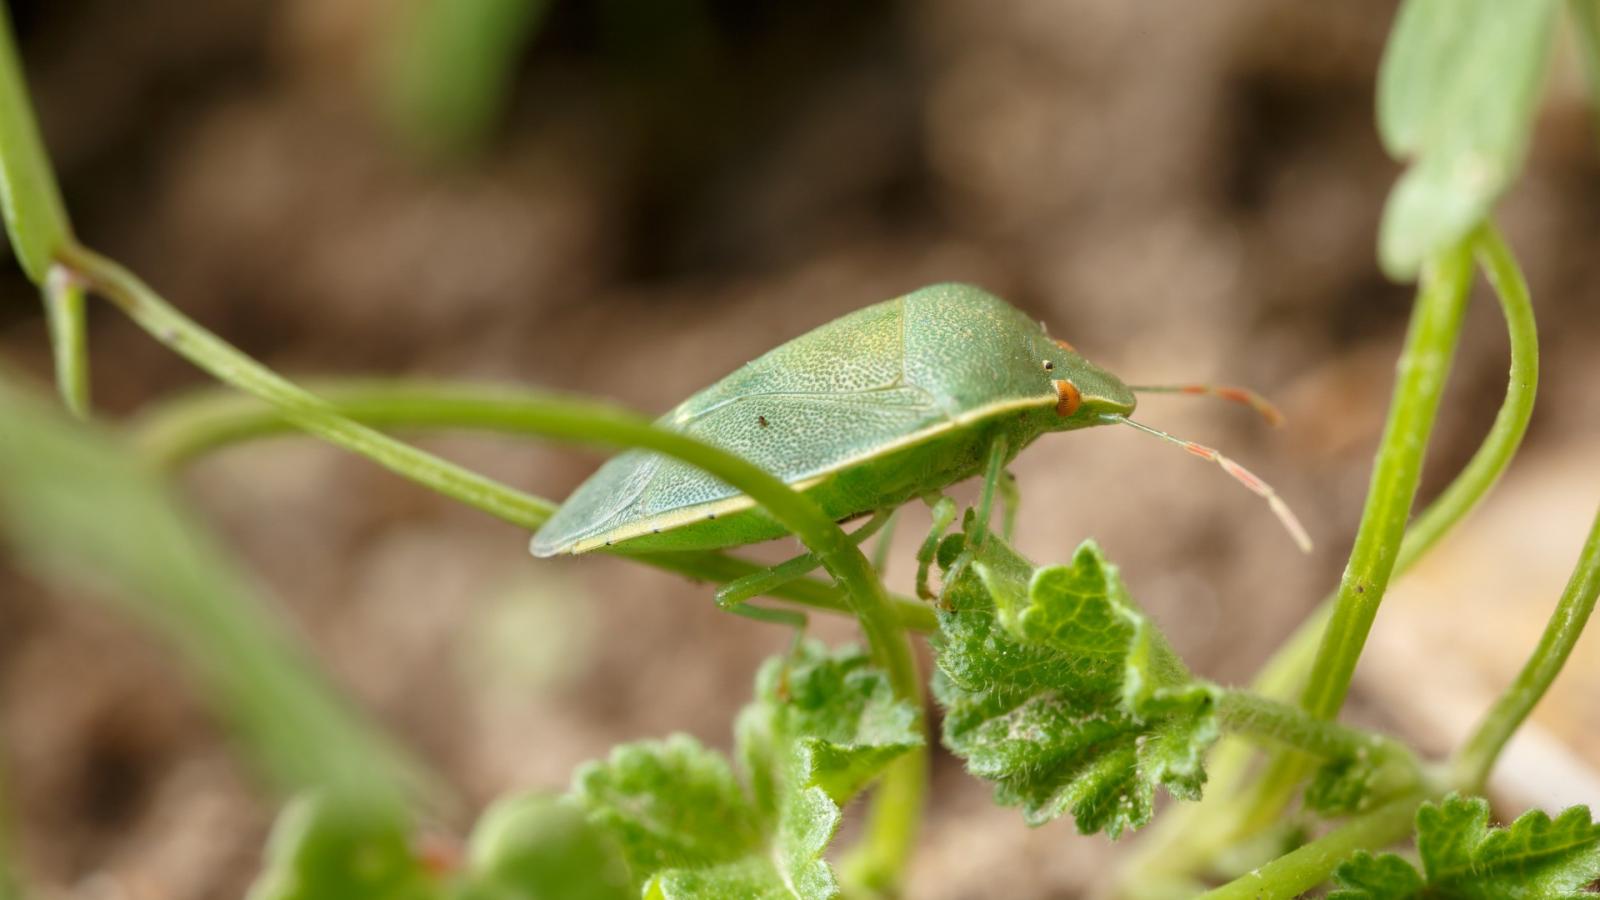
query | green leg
(992,477)
(880,550)
(791,617)
(995,480)
(1010,498)
(944,512)
(733,595)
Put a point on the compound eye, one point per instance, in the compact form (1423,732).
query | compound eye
(1067,398)
(1049,366)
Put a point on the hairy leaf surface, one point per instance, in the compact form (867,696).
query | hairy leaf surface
(1063,694)
(822,726)
(1462,857)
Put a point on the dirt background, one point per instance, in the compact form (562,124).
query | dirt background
(673,188)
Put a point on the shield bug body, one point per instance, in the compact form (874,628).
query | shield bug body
(892,402)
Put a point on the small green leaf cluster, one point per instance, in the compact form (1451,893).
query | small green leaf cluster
(1462,857)
(659,819)
(1062,693)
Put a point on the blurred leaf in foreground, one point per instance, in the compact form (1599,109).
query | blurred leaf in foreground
(81,510)
(320,851)
(1462,857)
(1457,91)
(539,847)
(823,725)
(1063,694)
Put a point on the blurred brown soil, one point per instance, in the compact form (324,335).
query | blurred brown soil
(1187,194)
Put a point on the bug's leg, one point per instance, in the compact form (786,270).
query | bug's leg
(1010,499)
(880,550)
(791,617)
(735,593)
(944,512)
(991,480)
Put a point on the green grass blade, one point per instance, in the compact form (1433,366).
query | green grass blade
(81,511)
(36,219)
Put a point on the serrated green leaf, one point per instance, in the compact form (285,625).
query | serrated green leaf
(670,804)
(1063,694)
(320,850)
(823,725)
(838,710)
(1368,877)
(1457,91)
(1462,857)
(539,847)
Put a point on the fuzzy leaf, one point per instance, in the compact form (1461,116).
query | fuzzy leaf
(670,804)
(1368,877)
(1462,857)
(1457,91)
(822,726)
(1062,693)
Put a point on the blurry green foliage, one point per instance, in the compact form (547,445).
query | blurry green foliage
(35,217)
(448,68)
(82,512)
(1457,92)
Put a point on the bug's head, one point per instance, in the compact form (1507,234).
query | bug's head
(1085,393)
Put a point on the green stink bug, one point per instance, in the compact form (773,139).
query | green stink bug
(891,402)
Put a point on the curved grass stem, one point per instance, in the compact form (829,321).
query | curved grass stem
(582,422)
(69,338)
(1472,763)
(1235,809)
(178,431)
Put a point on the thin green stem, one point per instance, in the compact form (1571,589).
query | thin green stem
(179,431)
(1472,763)
(1288,667)
(1193,835)
(304,409)
(1423,370)
(1510,422)
(892,825)
(1252,715)
(1303,869)
(69,338)
(886,840)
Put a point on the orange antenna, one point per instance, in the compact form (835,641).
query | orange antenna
(1240,474)
(1242,396)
